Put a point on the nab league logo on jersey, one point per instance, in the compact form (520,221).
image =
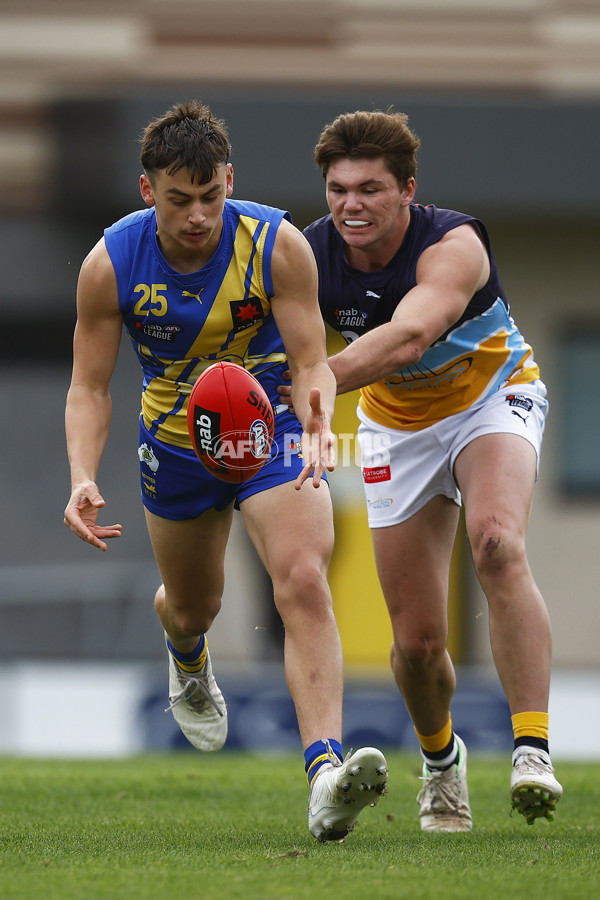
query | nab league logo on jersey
(159,332)
(350,317)
(246,313)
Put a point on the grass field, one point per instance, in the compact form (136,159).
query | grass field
(190,826)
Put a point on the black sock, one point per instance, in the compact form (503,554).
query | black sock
(538,743)
(441,760)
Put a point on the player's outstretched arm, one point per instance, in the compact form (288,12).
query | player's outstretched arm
(448,274)
(88,410)
(296,311)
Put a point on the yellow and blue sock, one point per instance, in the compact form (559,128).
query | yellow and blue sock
(439,750)
(319,754)
(190,663)
(530,729)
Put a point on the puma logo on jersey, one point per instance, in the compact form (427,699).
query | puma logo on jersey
(195,296)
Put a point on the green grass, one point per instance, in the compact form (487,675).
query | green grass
(190,826)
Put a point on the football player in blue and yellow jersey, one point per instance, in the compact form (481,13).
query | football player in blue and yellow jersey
(452,392)
(197,277)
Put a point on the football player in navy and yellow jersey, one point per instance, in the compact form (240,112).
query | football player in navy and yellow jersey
(451,410)
(197,277)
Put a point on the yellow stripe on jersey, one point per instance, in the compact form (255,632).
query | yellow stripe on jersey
(218,339)
(247,263)
(413,400)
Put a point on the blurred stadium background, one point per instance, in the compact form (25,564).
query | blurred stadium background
(505,95)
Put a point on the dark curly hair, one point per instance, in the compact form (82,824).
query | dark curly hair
(187,136)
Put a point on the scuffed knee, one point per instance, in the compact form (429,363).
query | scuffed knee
(495,549)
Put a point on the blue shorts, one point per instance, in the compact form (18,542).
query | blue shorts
(175,484)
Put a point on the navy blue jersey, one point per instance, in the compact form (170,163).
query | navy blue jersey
(353,302)
(481,352)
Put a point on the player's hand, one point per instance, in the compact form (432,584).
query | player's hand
(318,443)
(285,391)
(81,514)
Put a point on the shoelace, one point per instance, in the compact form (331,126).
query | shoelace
(442,786)
(335,760)
(193,686)
(532,761)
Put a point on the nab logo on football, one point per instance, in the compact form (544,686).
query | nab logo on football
(207,427)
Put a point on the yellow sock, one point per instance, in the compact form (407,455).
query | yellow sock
(530,724)
(433,743)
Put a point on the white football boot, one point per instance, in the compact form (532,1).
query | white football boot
(341,790)
(534,790)
(444,797)
(198,706)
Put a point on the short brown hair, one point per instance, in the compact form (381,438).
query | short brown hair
(187,136)
(370,135)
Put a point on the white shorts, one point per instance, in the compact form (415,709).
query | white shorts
(403,470)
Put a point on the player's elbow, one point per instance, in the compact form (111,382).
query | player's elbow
(408,354)
(409,345)
(415,350)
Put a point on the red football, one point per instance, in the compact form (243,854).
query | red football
(230,421)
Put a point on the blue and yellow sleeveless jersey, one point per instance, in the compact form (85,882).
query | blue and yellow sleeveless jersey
(482,352)
(181,324)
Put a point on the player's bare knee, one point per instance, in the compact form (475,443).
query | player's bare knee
(303,588)
(496,550)
(186,617)
(420,649)
(192,622)
(304,579)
